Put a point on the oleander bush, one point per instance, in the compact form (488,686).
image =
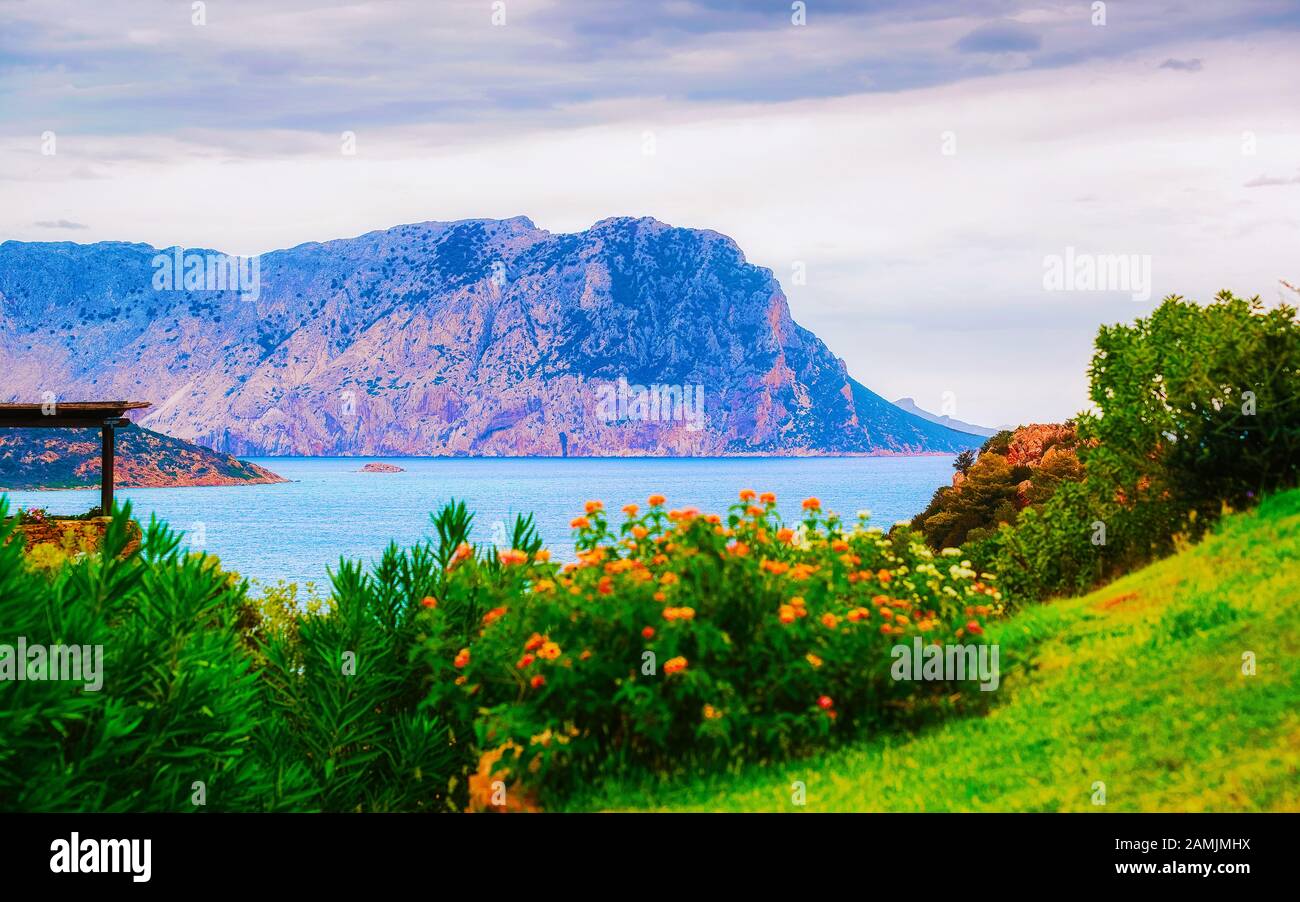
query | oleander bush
(178,704)
(680,641)
(207,701)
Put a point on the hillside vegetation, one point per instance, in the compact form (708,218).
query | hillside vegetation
(1138,685)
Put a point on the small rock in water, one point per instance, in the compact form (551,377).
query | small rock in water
(381,468)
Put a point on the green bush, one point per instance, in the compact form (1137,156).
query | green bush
(681,642)
(199,687)
(179,703)
(1197,411)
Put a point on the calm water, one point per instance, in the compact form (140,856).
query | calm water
(296,530)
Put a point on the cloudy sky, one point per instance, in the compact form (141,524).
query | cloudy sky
(907,168)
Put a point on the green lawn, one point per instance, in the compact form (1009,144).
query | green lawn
(1138,685)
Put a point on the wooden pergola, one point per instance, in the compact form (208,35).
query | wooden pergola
(102,415)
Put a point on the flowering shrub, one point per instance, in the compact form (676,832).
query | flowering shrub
(679,639)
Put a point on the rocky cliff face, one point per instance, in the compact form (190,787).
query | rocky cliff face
(69,458)
(478,337)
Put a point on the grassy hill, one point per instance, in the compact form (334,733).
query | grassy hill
(1138,685)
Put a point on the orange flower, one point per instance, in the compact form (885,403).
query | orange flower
(429,601)
(786,614)
(630,509)
(974,628)
(549,651)
(711,713)
(463,551)
(767,498)
(656,500)
(813,660)
(755,511)
(605,586)
(462,658)
(640,531)
(858,614)
(830,621)
(648,632)
(535,641)
(594,507)
(825,702)
(513,556)
(524,661)
(785,534)
(674,665)
(800,572)
(811,504)
(494,614)
(537,682)
(748,494)
(839,545)
(542,556)
(884,576)
(668,579)
(739,549)
(660,596)
(586,653)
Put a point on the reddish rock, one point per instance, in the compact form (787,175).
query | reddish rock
(74,535)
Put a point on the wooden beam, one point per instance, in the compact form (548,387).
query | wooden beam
(106,468)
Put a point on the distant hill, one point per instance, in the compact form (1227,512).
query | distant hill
(909,405)
(69,458)
(477,337)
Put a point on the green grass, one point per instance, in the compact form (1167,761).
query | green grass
(1138,685)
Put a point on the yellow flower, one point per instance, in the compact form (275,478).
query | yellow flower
(813,660)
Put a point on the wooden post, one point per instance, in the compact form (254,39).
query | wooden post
(106,469)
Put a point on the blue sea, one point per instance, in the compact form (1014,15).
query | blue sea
(297,531)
